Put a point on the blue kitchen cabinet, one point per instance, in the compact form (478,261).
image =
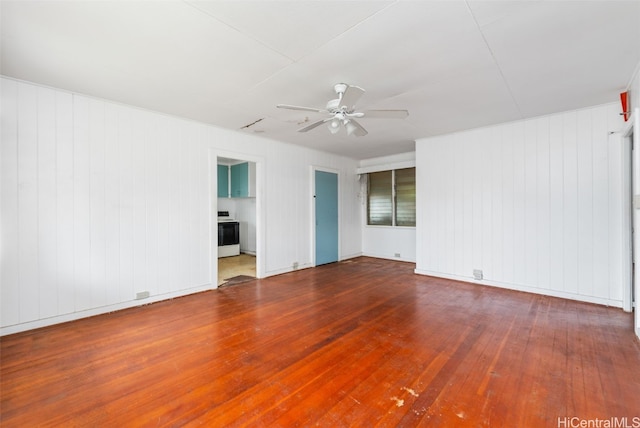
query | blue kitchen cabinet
(240,180)
(243,180)
(223,181)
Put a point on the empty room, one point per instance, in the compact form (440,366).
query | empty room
(319,213)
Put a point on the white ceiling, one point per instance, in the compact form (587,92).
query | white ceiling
(453,64)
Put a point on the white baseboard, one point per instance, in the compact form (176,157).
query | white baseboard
(528,289)
(45,322)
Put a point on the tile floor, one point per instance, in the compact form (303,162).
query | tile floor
(228,267)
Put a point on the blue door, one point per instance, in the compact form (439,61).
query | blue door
(326,217)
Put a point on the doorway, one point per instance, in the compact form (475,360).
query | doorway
(326,217)
(237,206)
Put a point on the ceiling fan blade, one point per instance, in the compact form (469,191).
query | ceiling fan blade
(317,110)
(358,129)
(350,96)
(389,114)
(314,125)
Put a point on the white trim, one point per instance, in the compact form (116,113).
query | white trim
(386,167)
(45,322)
(634,129)
(260,212)
(629,171)
(524,288)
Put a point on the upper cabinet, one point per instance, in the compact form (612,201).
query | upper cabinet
(223,181)
(239,178)
(243,180)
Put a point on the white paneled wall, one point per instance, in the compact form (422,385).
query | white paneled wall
(395,243)
(101,201)
(537,205)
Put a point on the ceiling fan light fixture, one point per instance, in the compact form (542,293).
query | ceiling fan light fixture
(343,112)
(334,125)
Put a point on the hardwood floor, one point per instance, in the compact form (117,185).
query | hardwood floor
(359,343)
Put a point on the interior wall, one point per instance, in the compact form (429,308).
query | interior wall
(537,205)
(245,213)
(101,201)
(634,90)
(396,243)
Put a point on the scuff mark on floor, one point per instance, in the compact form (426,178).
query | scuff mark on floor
(398,401)
(355,400)
(410,391)
(420,412)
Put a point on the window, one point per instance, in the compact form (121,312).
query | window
(391,198)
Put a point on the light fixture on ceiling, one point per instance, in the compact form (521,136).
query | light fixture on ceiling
(334,125)
(342,111)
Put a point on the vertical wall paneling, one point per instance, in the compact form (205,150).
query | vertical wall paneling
(570,200)
(28,202)
(497,204)
(125,204)
(508,203)
(151,191)
(530,194)
(542,201)
(556,204)
(486,225)
(184,199)
(519,199)
(202,206)
(139,202)
(111,202)
(47,213)
(81,205)
(617,233)
(64,203)
(97,211)
(466,192)
(585,244)
(163,180)
(205,215)
(478,168)
(101,201)
(448,220)
(9,228)
(458,225)
(552,205)
(173,191)
(601,201)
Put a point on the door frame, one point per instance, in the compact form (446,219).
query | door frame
(312,239)
(214,154)
(631,293)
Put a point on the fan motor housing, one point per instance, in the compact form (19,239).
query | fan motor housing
(333,105)
(340,88)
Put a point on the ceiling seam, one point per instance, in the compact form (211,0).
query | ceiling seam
(495,61)
(239,31)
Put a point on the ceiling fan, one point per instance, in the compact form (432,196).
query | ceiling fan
(342,112)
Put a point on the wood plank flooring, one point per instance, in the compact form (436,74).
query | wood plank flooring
(359,343)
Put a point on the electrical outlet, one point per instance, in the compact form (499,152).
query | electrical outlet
(295,265)
(477,274)
(397,255)
(142,295)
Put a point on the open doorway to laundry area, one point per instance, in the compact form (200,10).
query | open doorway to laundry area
(237,214)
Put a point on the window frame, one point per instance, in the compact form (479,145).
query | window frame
(394,200)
